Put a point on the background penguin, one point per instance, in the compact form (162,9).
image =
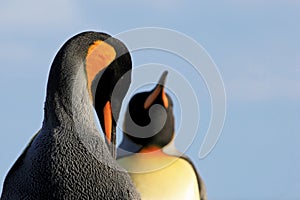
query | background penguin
(67,158)
(157,169)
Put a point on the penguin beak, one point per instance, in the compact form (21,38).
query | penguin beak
(158,93)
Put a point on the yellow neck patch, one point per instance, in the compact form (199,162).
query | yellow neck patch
(100,55)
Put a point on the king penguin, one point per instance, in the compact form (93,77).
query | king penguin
(148,153)
(68,158)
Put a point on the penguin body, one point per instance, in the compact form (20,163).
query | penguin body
(67,158)
(157,168)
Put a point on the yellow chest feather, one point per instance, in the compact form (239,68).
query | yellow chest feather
(159,176)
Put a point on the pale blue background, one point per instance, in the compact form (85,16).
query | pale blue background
(255,44)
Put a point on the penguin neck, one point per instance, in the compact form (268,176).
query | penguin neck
(128,147)
(170,149)
(151,149)
(68,103)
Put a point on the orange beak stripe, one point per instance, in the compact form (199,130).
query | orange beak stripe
(107,113)
(165,99)
(149,101)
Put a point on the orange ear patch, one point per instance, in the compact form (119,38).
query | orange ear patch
(100,55)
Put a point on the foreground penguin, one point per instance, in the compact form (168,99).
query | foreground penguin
(148,153)
(67,158)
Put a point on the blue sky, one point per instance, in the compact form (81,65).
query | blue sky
(255,45)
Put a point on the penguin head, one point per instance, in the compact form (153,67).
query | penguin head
(89,65)
(107,63)
(138,111)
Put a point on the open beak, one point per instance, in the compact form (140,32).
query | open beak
(158,93)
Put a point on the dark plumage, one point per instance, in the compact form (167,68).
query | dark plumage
(142,147)
(67,158)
